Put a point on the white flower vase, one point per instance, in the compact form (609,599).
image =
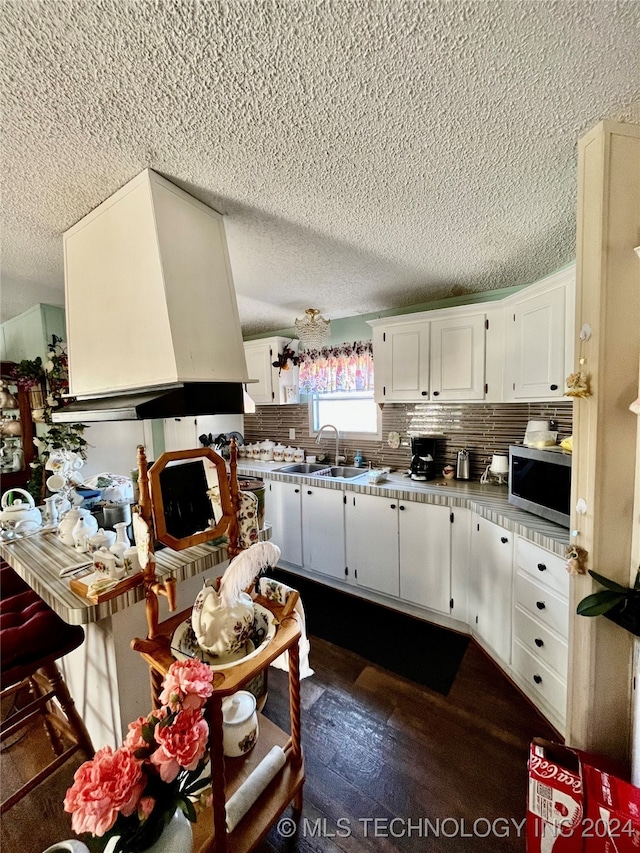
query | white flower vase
(177,837)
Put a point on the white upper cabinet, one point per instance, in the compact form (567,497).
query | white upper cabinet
(274,385)
(539,339)
(401,357)
(458,358)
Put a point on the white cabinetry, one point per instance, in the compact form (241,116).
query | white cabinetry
(438,355)
(401,355)
(491,581)
(283,510)
(274,385)
(540,629)
(457,358)
(372,546)
(539,345)
(401,548)
(323,540)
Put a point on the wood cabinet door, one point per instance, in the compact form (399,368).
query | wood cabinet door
(283,510)
(425,554)
(371,532)
(323,538)
(259,357)
(403,353)
(536,347)
(457,358)
(491,574)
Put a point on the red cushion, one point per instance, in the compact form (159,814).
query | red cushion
(30,631)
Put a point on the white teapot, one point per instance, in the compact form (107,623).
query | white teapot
(19,510)
(69,520)
(221,630)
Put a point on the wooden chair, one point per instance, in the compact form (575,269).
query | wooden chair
(228,774)
(32,639)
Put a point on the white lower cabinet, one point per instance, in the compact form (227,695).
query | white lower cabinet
(372,545)
(283,510)
(323,540)
(401,548)
(540,629)
(425,554)
(491,574)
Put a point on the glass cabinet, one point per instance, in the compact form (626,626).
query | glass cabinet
(18,406)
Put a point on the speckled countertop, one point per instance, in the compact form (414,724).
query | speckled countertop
(489,501)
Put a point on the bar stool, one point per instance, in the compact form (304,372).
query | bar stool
(32,639)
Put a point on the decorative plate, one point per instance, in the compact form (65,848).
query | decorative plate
(394,440)
(184,644)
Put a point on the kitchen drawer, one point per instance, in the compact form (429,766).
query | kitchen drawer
(540,680)
(540,641)
(545,605)
(544,566)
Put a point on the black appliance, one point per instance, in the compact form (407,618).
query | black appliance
(423,452)
(540,482)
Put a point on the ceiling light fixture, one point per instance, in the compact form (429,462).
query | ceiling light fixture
(312,329)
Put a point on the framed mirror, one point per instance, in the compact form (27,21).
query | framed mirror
(190,497)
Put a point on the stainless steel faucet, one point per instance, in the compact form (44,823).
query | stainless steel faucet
(319,436)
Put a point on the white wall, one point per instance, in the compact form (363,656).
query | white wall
(113,446)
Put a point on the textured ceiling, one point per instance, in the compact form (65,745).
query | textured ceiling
(368,155)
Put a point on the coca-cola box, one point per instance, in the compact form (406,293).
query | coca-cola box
(578,803)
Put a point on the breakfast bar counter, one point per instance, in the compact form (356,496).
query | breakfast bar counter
(39,558)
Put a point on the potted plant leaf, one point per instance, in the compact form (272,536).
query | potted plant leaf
(619,603)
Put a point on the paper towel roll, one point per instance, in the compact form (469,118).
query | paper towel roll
(246,795)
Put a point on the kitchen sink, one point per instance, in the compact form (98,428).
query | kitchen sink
(315,469)
(343,472)
(302,468)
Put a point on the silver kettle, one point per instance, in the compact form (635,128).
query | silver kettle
(462,465)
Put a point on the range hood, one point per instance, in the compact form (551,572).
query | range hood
(152,320)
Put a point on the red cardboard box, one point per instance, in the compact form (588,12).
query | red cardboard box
(556,803)
(578,803)
(612,823)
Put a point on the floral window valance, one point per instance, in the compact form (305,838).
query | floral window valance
(346,367)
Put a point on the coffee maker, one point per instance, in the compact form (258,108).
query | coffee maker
(423,451)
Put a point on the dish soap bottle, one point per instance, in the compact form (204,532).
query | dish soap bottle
(358,461)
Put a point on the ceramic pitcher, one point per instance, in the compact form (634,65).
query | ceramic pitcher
(221,630)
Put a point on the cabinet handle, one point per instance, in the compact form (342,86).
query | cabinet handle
(553,387)
(435,393)
(400,507)
(504,540)
(296,491)
(542,567)
(539,643)
(393,506)
(537,679)
(309,492)
(424,393)
(540,605)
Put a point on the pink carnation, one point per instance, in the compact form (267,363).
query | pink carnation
(145,807)
(180,745)
(134,739)
(187,684)
(110,783)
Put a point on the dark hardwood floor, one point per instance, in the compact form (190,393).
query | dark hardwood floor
(390,765)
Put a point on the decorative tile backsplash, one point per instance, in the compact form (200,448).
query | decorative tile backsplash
(481,428)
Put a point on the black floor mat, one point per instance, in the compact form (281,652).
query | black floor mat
(414,649)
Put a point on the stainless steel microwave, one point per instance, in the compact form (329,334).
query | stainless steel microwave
(540,482)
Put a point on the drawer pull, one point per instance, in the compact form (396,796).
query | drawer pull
(296,491)
(504,540)
(537,679)
(401,506)
(393,506)
(542,567)
(424,393)
(540,605)
(539,643)
(309,492)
